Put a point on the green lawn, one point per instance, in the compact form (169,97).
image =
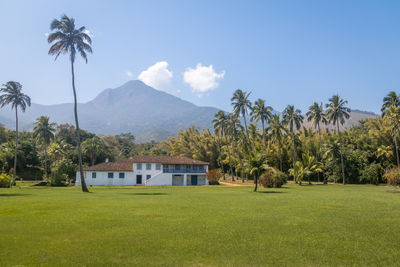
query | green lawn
(214,225)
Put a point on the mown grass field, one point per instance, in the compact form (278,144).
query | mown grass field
(215,225)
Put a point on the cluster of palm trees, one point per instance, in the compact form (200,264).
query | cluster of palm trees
(274,128)
(391,110)
(66,38)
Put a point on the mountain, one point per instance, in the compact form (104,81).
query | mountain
(134,107)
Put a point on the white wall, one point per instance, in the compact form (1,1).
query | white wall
(102,178)
(160,179)
(153,172)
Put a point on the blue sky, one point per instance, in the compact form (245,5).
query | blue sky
(286,52)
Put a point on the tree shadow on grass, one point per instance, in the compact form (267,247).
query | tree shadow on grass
(270,192)
(13,195)
(146,194)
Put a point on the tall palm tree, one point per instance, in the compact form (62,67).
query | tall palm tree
(220,125)
(69,39)
(317,116)
(392,99)
(240,102)
(390,103)
(44,133)
(336,113)
(393,114)
(277,130)
(293,119)
(233,128)
(12,95)
(260,112)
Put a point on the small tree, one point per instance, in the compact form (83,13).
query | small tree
(213,177)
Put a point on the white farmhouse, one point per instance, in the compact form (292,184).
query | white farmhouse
(147,170)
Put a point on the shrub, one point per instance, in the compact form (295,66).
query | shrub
(393,177)
(62,172)
(273,179)
(372,174)
(6,180)
(213,177)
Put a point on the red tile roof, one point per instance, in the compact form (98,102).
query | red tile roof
(127,164)
(118,165)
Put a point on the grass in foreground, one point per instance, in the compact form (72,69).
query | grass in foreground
(214,225)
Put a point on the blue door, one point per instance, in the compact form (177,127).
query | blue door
(194,180)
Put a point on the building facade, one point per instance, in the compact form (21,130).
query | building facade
(147,170)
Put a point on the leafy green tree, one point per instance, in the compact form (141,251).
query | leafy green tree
(69,39)
(260,112)
(92,148)
(241,103)
(11,94)
(317,116)
(44,134)
(293,119)
(336,113)
(277,131)
(392,99)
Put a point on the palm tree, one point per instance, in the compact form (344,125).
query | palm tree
(240,102)
(12,95)
(44,133)
(392,99)
(293,119)
(393,114)
(256,166)
(338,113)
(69,39)
(316,115)
(390,103)
(277,131)
(220,125)
(92,147)
(234,128)
(260,112)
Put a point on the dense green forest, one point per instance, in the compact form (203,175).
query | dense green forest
(244,144)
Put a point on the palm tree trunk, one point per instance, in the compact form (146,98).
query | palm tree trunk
(247,132)
(16,145)
(341,152)
(256,182)
(45,162)
(240,162)
(320,151)
(78,137)
(280,156)
(396,146)
(220,161)
(229,157)
(294,155)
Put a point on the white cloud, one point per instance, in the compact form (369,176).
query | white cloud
(202,78)
(157,76)
(129,74)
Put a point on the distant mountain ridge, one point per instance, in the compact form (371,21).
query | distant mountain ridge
(134,107)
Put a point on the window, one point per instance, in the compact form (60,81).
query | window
(139,166)
(148,176)
(158,166)
(121,175)
(201,167)
(148,166)
(93,175)
(177,167)
(110,175)
(195,167)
